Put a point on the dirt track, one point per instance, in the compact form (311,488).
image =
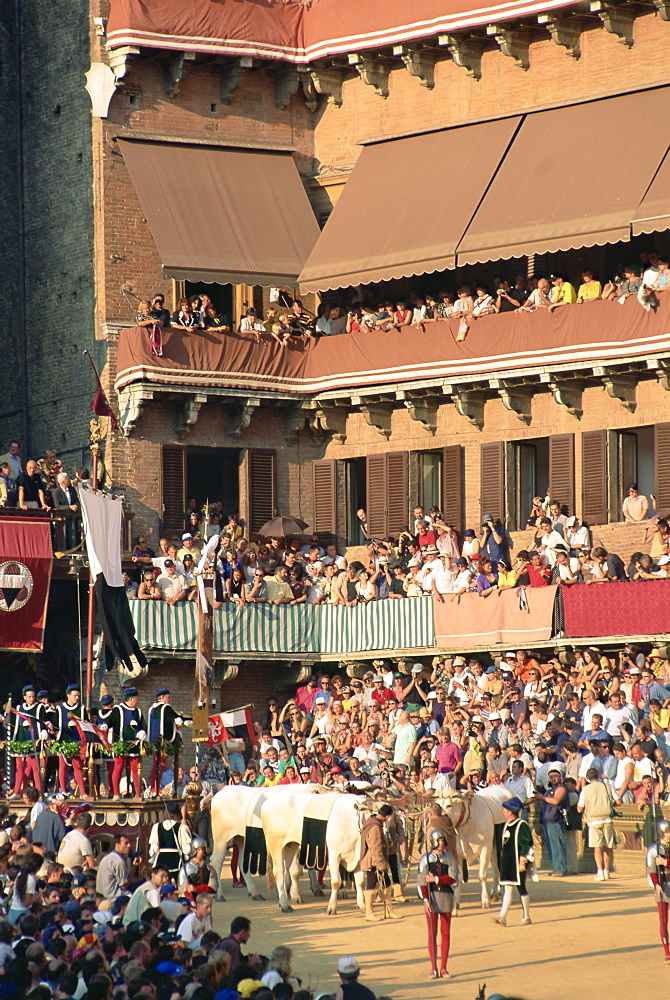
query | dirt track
(588,941)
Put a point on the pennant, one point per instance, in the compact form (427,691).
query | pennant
(90,733)
(25,576)
(102,516)
(216,731)
(240,717)
(32,721)
(100,403)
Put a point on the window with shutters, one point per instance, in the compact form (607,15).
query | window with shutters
(492,494)
(430,479)
(453,481)
(562,470)
(634,451)
(173,487)
(323,485)
(262,488)
(376,495)
(213,475)
(594,477)
(387,487)
(530,469)
(662,466)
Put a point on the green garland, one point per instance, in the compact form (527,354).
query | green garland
(165,748)
(122,748)
(66,748)
(22,747)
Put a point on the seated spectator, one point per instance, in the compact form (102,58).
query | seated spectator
(212,320)
(576,535)
(184,317)
(445,306)
(487,579)
(508,299)
(147,590)
(611,566)
(635,506)
(251,323)
(566,570)
(629,285)
(483,303)
(170,584)
(562,294)
(539,298)
(590,288)
(130,587)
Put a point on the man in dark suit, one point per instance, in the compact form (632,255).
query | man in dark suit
(65,498)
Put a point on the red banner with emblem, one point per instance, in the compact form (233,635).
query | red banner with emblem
(25,575)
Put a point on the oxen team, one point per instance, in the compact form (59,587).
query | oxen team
(274,820)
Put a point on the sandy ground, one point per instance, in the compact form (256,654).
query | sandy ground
(589,940)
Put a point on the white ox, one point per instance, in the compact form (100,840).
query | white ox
(232,808)
(474,817)
(283,823)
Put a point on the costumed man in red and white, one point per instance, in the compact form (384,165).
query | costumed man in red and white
(68,732)
(128,725)
(26,729)
(657,870)
(438,872)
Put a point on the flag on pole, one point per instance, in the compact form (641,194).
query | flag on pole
(102,523)
(90,733)
(216,731)
(240,717)
(32,721)
(25,576)
(100,403)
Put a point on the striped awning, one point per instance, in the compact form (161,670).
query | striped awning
(289,629)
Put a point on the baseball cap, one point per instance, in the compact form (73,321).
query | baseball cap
(304,770)
(168,562)
(335,770)
(417,668)
(570,521)
(186,535)
(458,661)
(169,968)
(167,890)
(348,965)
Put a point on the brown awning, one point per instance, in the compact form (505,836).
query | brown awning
(573,177)
(406,206)
(225,215)
(653,214)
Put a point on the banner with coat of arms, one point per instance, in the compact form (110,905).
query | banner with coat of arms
(25,575)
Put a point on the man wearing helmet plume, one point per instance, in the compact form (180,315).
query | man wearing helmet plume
(200,875)
(438,872)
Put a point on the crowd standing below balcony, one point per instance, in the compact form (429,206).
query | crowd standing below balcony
(466,304)
(428,558)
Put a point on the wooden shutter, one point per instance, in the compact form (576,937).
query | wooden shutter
(594,477)
(173,487)
(452,485)
(376,491)
(397,487)
(262,488)
(323,485)
(562,469)
(662,466)
(493,480)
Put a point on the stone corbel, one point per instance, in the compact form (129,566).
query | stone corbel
(663,8)
(224,670)
(121,61)
(514,399)
(470,405)
(662,369)
(424,411)
(101,86)
(175,70)
(287,82)
(466,53)
(309,91)
(623,388)
(515,44)
(188,414)
(239,417)
(616,20)
(569,395)
(332,421)
(231,78)
(328,80)
(418,62)
(294,421)
(373,71)
(379,417)
(132,408)
(564,31)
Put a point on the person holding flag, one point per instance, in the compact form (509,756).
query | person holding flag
(67,731)
(130,728)
(163,725)
(26,728)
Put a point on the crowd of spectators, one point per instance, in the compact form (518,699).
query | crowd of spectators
(467,303)
(428,558)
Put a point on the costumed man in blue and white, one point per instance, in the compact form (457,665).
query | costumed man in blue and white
(657,870)
(68,732)
(105,721)
(129,726)
(438,872)
(26,729)
(170,843)
(164,725)
(516,860)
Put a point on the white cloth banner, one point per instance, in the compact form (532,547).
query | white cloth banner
(102,524)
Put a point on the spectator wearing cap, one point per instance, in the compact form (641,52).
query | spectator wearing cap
(499,731)
(189,547)
(350,989)
(562,292)
(471,544)
(576,535)
(554,804)
(458,683)
(170,584)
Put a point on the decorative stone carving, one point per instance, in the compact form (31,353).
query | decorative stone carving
(564,31)
(231,78)
(515,44)
(372,71)
(418,62)
(568,394)
(239,417)
(466,53)
(470,405)
(378,416)
(101,86)
(175,70)
(623,388)
(424,411)
(131,408)
(332,421)
(294,421)
(121,61)
(617,20)
(327,80)
(188,414)
(517,401)
(287,82)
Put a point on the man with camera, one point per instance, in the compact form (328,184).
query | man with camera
(494,539)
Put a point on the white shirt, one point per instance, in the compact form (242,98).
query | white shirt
(578,538)
(522,787)
(597,709)
(550,540)
(443,577)
(192,928)
(159,563)
(615,717)
(620,775)
(367,755)
(74,849)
